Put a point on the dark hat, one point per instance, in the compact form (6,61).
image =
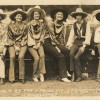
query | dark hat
(54,11)
(18,11)
(79,11)
(98,16)
(2,14)
(37,8)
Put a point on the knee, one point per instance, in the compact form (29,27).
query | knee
(77,58)
(21,57)
(36,59)
(42,56)
(71,55)
(61,56)
(12,56)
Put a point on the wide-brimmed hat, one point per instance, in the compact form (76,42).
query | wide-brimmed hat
(2,14)
(97,15)
(18,11)
(37,8)
(79,11)
(54,11)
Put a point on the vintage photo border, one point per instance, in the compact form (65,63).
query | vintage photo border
(48,2)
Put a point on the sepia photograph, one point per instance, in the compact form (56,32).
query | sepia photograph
(50,49)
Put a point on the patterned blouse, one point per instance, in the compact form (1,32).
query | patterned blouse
(17,34)
(60,32)
(36,32)
(57,37)
(3,37)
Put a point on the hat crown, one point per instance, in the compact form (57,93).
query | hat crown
(79,10)
(19,9)
(1,11)
(38,7)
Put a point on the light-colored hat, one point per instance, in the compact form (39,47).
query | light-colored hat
(37,8)
(2,14)
(18,11)
(79,11)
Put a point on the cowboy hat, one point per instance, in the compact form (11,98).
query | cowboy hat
(2,14)
(79,11)
(54,11)
(97,15)
(18,11)
(38,9)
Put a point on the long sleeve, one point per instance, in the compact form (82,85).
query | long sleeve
(88,35)
(42,36)
(24,37)
(31,41)
(97,35)
(71,37)
(4,38)
(51,30)
(10,36)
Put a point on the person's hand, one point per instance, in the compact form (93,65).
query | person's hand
(2,57)
(81,49)
(37,46)
(68,47)
(58,49)
(93,52)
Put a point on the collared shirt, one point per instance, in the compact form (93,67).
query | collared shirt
(87,36)
(97,35)
(17,34)
(36,32)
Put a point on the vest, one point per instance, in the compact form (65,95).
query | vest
(79,40)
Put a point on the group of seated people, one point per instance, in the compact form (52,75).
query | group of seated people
(40,35)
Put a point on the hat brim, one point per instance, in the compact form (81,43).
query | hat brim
(98,16)
(65,13)
(74,14)
(3,16)
(41,11)
(24,15)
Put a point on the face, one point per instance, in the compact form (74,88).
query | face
(18,17)
(59,16)
(36,15)
(79,18)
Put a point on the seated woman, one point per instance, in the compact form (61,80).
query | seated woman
(36,34)
(3,43)
(59,28)
(17,39)
(54,43)
(97,41)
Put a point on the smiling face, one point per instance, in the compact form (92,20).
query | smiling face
(59,16)
(79,18)
(18,17)
(36,15)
